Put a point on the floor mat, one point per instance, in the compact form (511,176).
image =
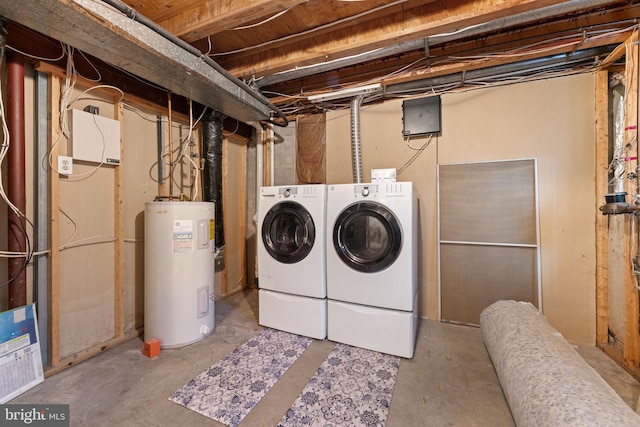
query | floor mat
(353,387)
(228,390)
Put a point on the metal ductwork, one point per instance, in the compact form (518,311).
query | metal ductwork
(356,150)
(212,128)
(516,69)
(142,48)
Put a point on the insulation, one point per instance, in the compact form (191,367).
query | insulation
(545,381)
(212,128)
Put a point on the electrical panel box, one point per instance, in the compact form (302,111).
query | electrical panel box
(421,116)
(94,138)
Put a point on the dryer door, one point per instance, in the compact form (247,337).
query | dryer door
(367,236)
(288,232)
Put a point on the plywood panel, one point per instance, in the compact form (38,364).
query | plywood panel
(310,162)
(235,214)
(140,176)
(87,266)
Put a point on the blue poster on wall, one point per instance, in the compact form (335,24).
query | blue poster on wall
(20,359)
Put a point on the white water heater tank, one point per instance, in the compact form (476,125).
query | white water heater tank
(179,264)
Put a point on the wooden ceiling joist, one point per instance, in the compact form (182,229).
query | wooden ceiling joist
(212,17)
(407,24)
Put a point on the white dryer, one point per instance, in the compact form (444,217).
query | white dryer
(372,266)
(291,259)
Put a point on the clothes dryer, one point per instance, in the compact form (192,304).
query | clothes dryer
(291,259)
(372,265)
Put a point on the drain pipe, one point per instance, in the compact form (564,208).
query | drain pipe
(16,173)
(212,128)
(356,151)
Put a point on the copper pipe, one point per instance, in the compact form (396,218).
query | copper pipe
(16,179)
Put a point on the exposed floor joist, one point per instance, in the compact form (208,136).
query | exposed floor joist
(107,34)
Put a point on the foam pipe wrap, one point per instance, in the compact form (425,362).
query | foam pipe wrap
(212,128)
(545,381)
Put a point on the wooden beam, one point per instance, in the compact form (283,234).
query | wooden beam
(207,18)
(118,228)
(631,349)
(83,355)
(602,221)
(224,285)
(406,24)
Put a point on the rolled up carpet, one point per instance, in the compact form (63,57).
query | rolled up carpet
(545,381)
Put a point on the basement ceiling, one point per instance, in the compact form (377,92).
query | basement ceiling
(290,49)
(293,48)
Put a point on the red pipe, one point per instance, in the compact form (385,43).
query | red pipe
(16,188)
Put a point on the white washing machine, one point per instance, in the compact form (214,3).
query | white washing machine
(372,266)
(291,259)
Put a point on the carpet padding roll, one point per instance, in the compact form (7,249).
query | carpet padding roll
(545,381)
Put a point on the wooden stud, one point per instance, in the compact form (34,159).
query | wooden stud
(602,221)
(631,349)
(89,353)
(118,229)
(224,285)
(54,225)
(243,216)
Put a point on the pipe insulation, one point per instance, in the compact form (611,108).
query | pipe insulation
(212,128)
(16,179)
(545,381)
(356,149)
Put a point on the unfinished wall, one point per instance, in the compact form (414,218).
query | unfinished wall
(551,120)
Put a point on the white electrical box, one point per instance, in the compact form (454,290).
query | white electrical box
(94,138)
(65,165)
(383,175)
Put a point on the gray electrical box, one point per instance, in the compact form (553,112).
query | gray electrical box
(421,116)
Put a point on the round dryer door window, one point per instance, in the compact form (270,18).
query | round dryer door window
(367,237)
(288,232)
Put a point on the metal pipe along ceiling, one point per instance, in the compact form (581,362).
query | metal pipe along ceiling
(212,128)
(16,171)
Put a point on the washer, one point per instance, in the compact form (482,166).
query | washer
(291,259)
(372,266)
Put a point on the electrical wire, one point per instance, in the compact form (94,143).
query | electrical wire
(257,24)
(419,151)
(311,30)
(22,219)
(39,58)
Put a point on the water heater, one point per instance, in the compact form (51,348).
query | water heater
(179,264)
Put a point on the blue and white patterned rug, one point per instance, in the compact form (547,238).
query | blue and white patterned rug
(353,387)
(228,390)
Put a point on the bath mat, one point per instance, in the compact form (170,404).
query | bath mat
(353,387)
(228,390)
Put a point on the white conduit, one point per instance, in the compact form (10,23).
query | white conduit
(545,381)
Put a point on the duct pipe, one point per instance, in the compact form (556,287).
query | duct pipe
(586,56)
(16,173)
(134,15)
(212,128)
(356,151)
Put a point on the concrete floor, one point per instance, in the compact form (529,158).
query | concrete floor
(449,382)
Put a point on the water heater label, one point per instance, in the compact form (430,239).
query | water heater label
(182,235)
